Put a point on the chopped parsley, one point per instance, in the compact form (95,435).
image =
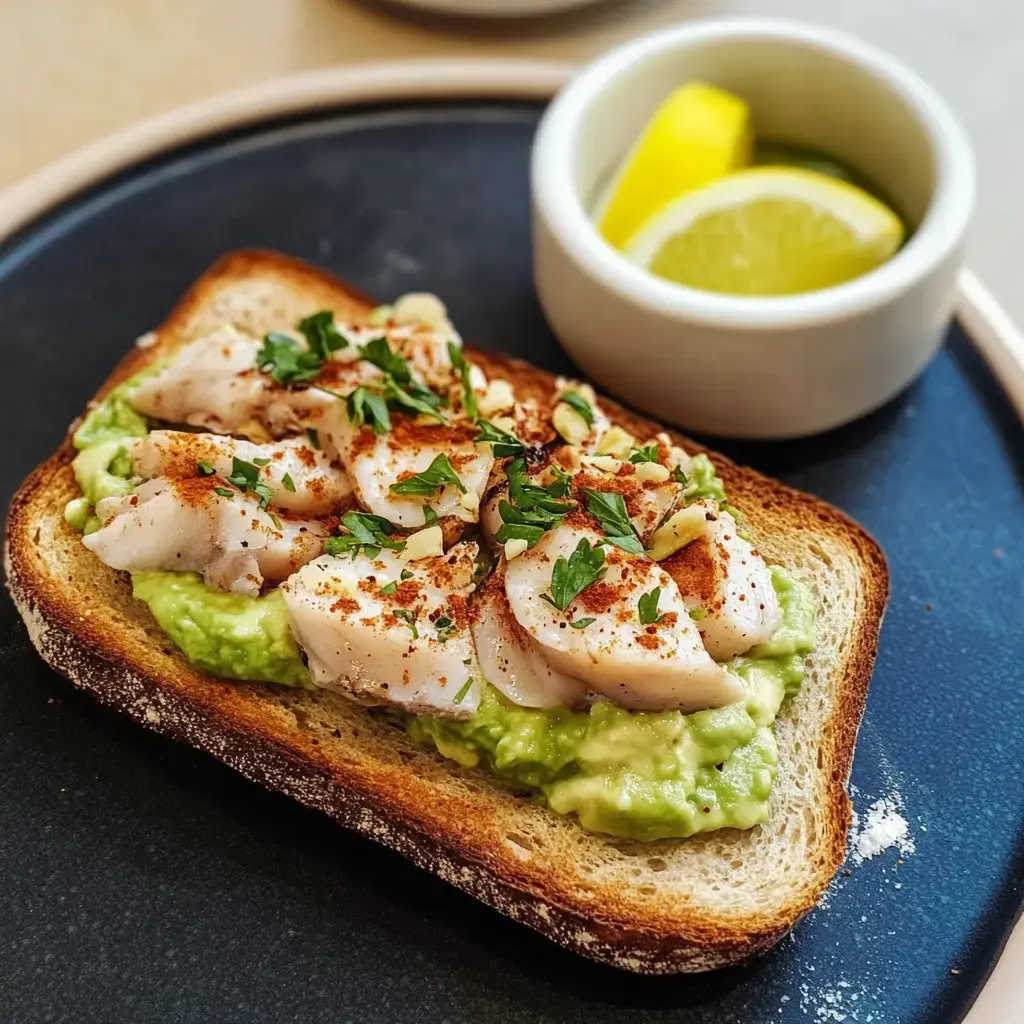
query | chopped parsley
(647,608)
(406,574)
(389,588)
(583,623)
(445,627)
(466,687)
(366,532)
(435,477)
(609,509)
(429,516)
(531,510)
(379,352)
(314,437)
(288,482)
(261,462)
(321,335)
(246,477)
(367,407)
(286,360)
(464,370)
(698,613)
(679,476)
(409,618)
(505,445)
(649,453)
(581,405)
(205,469)
(572,575)
(223,492)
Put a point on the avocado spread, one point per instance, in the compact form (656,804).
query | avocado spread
(639,775)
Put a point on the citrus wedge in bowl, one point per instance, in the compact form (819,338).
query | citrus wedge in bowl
(768,231)
(698,134)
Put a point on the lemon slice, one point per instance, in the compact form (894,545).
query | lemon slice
(698,134)
(769,231)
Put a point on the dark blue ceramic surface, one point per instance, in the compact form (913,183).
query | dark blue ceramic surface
(142,881)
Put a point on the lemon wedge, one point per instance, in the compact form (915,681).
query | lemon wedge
(768,231)
(698,134)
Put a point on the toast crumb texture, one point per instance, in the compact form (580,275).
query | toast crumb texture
(657,908)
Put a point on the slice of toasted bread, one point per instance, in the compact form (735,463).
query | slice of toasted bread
(662,907)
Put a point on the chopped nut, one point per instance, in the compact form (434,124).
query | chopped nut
(684,526)
(652,472)
(617,442)
(499,396)
(421,308)
(514,548)
(428,543)
(604,463)
(570,424)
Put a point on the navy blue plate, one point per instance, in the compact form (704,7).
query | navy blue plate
(145,882)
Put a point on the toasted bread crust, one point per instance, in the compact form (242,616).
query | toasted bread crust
(365,773)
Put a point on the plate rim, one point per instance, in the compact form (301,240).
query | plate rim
(1000,1000)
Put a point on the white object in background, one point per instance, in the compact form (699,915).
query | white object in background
(497,8)
(748,366)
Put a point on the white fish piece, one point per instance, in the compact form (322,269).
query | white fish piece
(722,574)
(186,526)
(381,639)
(511,660)
(652,668)
(376,462)
(318,487)
(212,383)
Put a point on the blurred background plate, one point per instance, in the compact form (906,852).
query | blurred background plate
(498,8)
(143,881)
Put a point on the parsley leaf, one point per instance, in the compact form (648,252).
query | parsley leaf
(530,510)
(463,369)
(647,608)
(573,575)
(583,623)
(314,437)
(562,483)
(389,588)
(321,335)
(505,445)
(412,396)
(679,476)
(409,618)
(367,407)
(261,462)
(286,361)
(649,453)
(437,475)
(406,574)
(429,516)
(445,627)
(246,477)
(462,694)
(205,469)
(289,483)
(581,405)
(609,509)
(365,531)
(378,352)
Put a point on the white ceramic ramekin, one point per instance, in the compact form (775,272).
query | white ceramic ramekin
(742,366)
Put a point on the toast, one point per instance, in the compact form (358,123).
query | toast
(657,908)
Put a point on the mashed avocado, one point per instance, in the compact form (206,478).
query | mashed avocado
(224,634)
(638,775)
(103,468)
